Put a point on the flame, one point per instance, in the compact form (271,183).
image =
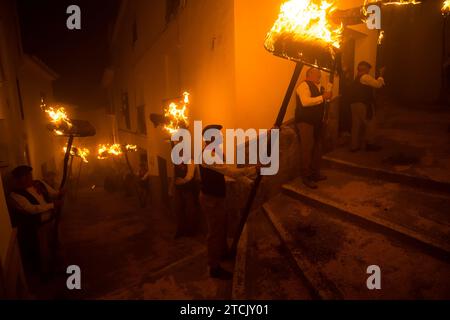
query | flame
(176,113)
(381,38)
(446,7)
(306,19)
(131,147)
(396,3)
(82,153)
(387,3)
(57,116)
(106,150)
(402,2)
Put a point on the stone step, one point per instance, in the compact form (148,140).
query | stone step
(333,254)
(261,270)
(411,213)
(422,182)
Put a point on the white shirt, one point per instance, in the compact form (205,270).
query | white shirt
(370,81)
(30,208)
(304,93)
(231,170)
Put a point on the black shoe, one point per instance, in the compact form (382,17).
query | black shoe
(318,178)
(373,148)
(220,273)
(309,183)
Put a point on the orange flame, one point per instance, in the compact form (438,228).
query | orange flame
(82,153)
(131,147)
(389,3)
(306,19)
(106,150)
(57,116)
(446,7)
(176,113)
(381,37)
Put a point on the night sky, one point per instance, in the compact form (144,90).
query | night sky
(78,56)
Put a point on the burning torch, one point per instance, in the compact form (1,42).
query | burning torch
(106,151)
(63,126)
(303,33)
(82,154)
(175,115)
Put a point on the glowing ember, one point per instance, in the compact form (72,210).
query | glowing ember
(389,3)
(402,2)
(130,147)
(176,114)
(381,37)
(106,150)
(58,116)
(386,3)
(82,153)
(305,20)
(446,7)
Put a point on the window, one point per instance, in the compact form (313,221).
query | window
(171,9)
(141,121)
(126,110)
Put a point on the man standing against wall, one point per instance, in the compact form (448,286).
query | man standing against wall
(363,108)
(213,199)
(309,116)
(34,203)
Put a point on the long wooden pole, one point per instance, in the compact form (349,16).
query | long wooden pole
(78,178)
(66,163)
(135,184)
(255,187)
(61,186)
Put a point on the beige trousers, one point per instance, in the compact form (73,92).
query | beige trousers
(363,130)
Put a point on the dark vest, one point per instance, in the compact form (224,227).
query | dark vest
(40,188)
(362,93)
(213,182)
(312,115)
(24,220)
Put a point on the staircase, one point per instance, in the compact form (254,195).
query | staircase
(318,244)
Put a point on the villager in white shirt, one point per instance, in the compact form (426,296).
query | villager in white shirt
(309,116)
(33,204)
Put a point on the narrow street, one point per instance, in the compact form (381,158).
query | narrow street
(304,143)
(136,256)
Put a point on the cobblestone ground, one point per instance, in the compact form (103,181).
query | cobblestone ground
(126,252)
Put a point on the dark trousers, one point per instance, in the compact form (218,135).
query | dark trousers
(215,211)
(186,211)
(311,149)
